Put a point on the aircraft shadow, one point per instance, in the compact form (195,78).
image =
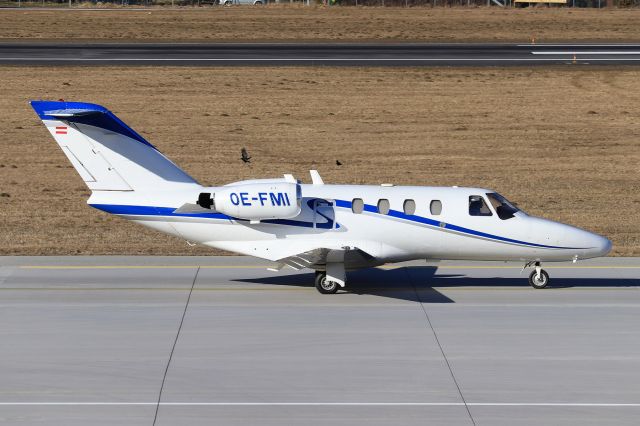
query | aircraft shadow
(418,284)
(389,283)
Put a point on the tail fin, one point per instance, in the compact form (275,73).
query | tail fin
(108,154)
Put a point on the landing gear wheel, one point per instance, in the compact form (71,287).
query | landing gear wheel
(324,286)
(539,282)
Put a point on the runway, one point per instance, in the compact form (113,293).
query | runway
(87,340)
(317,54)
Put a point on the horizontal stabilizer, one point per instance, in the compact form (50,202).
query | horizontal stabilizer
(71,112)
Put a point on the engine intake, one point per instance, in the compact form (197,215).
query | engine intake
(205,200)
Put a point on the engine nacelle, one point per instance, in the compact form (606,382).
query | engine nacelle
(255,201)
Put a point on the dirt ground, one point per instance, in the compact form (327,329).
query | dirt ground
(299,23)
(563,143)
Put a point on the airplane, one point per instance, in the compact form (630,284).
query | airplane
(331,229)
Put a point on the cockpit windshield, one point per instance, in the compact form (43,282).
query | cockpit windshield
(503,207)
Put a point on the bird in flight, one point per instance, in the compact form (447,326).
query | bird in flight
(245,156)
(338,163)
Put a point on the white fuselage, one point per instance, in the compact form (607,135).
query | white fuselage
(328,228)
(327,220)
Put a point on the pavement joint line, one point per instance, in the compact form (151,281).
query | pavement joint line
(304,287)
(267,266)
(143,266)
(173,347)
(331,404)
(433,330)
(301,288)
(545,267)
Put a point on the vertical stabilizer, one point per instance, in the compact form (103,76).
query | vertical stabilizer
(107,154)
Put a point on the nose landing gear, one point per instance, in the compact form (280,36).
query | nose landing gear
(539,277)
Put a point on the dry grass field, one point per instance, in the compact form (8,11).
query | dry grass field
(563,143)
(298,23)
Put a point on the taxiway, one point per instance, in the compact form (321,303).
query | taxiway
(87,340)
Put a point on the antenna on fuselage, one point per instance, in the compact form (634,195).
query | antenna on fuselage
(316,179)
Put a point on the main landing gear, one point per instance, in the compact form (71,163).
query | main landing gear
(333,277)
(538,277)
(324,285)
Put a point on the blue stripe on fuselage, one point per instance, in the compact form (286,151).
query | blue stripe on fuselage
(443,225)
(153,211)
(169,211)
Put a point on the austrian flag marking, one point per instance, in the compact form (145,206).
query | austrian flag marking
(61,130)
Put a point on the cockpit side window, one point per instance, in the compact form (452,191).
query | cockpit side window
(478,207)
(503,207)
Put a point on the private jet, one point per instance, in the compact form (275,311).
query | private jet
(328,228)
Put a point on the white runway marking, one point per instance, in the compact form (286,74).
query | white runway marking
(331,404)
(587,52)
(582,46)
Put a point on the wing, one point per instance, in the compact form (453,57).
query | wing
(352,257)
(189,208)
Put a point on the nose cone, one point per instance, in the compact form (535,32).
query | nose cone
(600,246)
(570,242)
(594,245)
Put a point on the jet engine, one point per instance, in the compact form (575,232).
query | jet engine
(254,201)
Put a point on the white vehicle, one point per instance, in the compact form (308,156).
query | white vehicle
(232,2)
(328,228)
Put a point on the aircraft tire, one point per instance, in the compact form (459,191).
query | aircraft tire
(539,283)
(324,286)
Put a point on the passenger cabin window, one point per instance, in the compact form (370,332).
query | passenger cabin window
(357,205)
(435,207)
(409,207)
(478,207)
(503,207)
(383,206)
